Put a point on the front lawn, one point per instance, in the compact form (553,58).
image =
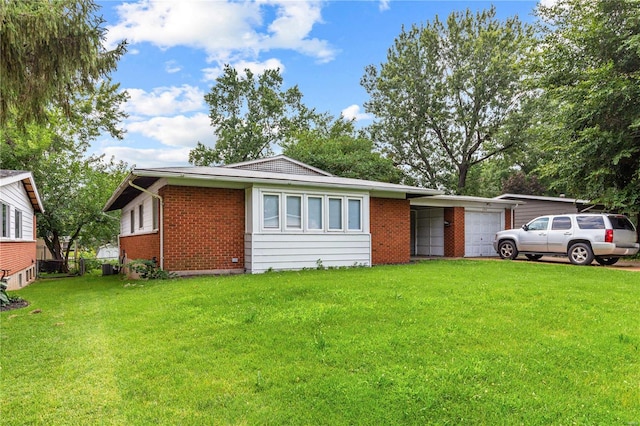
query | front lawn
(442,342)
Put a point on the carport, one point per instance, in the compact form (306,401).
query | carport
(458,226)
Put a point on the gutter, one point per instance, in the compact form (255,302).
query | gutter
(160,219)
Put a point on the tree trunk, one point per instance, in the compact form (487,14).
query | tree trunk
(463,170)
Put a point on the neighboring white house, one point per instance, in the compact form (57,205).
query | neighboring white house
(108,252)
(19,202)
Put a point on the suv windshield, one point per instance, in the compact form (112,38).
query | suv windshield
(621,222)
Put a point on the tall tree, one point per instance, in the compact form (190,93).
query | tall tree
(73,186)
(589,68)
(446,92)
(250,114)
(51,51)
(339,150)
(56,97)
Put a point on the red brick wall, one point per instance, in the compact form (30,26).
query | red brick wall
(507,219)
(390,231)
(145,246)
(203,228)
(17,255)
(454,233)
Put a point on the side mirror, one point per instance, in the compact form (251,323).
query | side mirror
(525,227)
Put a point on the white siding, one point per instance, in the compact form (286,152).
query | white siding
(430,232)
(146,201)
(296,251)
(15,196)
(479,230)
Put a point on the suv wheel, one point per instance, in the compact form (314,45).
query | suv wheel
(580,254)
(604,261)
(507,249)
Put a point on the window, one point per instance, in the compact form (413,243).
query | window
(590,222)
(562,222)
(335,214)
(18,224)
(5,220)
(154,212)
(294,212)
(539,224)
(141,216)
(271,211)
(133,221)
(355,221)
(314,213)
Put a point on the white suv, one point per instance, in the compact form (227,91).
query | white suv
(581,237)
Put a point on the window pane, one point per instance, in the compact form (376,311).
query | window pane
(18,233)
(335,213)
(294,212)
(133,221)
(5,220)
(271,211)
(561,223)
(154,212)
(314,205)
(354,214)
(141,216)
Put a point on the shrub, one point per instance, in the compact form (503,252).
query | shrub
(149,270)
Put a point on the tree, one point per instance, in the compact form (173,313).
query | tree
(250,114)
(340,151)
(72,186)
(51,52)
(56,97)
(589,68)
(445,95)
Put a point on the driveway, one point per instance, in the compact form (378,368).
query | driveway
(623,264)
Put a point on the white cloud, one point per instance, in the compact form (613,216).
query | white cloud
(210,74)
(141,157)
(165,100)
(352,112)
(548,3)
(384,5)
(172,67)
(226,30)
(176,131)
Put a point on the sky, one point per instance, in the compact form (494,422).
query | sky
(176,50)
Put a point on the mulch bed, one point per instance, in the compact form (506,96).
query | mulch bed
(14,305)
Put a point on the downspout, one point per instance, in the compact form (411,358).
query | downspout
(160,218)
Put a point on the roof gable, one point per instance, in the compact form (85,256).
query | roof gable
(10,176)
(279,164)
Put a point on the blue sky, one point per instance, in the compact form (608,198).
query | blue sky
(177,49)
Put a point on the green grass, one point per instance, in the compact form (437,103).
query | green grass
(440,342)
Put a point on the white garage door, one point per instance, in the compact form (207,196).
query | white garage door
(479,229)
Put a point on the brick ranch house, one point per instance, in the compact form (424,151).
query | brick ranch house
(19,203)
(278,213)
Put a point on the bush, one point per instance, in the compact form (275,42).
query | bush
(149,270)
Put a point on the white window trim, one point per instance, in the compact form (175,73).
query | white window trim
(341,216)
(141,216)
(359,229)
(285,197)
(322,213)
(6,216)
(262,218)
(306,211)
(17,224)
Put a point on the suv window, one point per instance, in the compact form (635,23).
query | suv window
(621,222)
(590,222)
(539,224)
(562,222)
